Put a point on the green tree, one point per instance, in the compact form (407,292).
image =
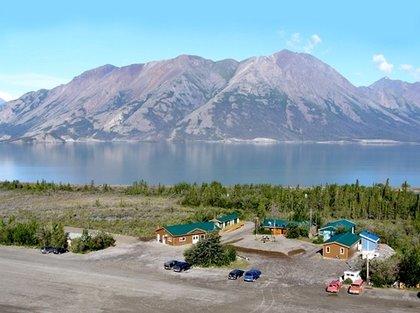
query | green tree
(382,272)
(58,236)
(210,252)
(409,272)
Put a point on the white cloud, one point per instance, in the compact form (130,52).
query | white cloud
(382,64)
(411,70)
(296,42)
(313,41)
(6,96)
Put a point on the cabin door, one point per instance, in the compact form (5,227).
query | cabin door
(195,238)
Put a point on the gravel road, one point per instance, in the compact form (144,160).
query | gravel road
(130,278)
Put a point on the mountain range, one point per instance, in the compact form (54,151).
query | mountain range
(286,96)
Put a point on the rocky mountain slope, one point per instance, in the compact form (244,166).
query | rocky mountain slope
(284,96)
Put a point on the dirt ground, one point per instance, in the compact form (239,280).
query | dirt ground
(130,278)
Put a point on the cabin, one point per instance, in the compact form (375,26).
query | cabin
(331,228)
(182,234)
(341,246)
(370,243)
(275,226)
(225,221)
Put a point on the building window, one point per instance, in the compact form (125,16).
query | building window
(327,249)
(181,239)
(203,236)
(341,250)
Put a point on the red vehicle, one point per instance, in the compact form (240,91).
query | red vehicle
(357,287)
(334,286)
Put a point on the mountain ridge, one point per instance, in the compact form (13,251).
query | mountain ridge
(286,96)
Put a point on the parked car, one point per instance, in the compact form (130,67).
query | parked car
(170,264)
(47,250)
(59,250)
(252,275)
(357,287)
(181,266)
(334,286)
(235,274)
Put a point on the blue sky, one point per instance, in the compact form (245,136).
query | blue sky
(45,43)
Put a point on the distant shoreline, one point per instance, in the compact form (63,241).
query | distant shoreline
(124,186)
(255,141)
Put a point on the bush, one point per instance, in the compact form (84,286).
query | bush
(348,281)
(318,240)
(382,272)
(409,272)
(210,252)
(22,234)
(296,232)
(87,243)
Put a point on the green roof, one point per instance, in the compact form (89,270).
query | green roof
(272,222)
(185,229)
(345,239)
(228,217)
(346,224)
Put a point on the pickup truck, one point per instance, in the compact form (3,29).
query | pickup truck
(252,275)
(334,286)
(357,287)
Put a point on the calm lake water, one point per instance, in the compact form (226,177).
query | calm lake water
(168,163)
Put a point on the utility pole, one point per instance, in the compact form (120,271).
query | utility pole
(310,215)
(367,268)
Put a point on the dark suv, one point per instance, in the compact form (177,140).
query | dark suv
(170,264)
(252,275)
(59,250)
(55,250)
(47,250)
(181,266)
(235,274)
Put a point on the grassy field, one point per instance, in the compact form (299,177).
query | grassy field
(112,211)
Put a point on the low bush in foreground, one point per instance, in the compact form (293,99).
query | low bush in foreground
(87,243)
(32,234)
(210,252)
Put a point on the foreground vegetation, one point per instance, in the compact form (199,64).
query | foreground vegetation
(210,252)
(393,213)
(34,234)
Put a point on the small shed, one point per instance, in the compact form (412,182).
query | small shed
(370,244)
(226,220)
(370,241)
(330,229)
(341,246)
(276,226)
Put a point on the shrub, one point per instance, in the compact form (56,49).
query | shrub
(52,235)
(348,281)
(382,272)
(318,240)
(87,243)
(409,272)
(22,234)
(296,232)
(210,252)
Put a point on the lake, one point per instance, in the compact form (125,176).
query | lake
(169,163)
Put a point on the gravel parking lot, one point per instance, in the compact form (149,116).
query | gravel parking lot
(130,278)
